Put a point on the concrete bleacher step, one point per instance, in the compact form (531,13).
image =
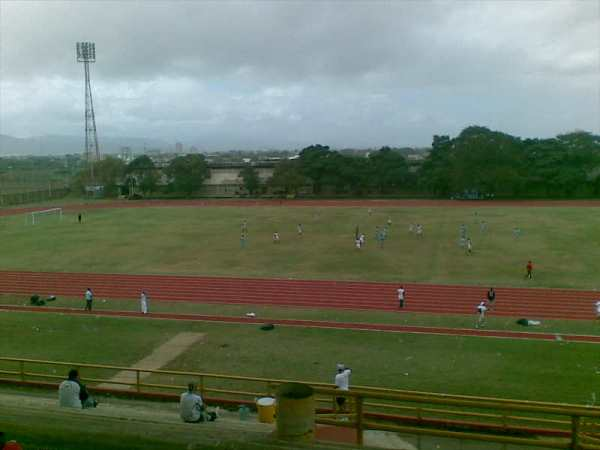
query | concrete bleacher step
(144,419)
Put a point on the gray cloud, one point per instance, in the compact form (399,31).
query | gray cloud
(254,74)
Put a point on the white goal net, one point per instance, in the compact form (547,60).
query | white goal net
(37,216)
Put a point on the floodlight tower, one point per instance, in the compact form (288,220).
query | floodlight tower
(86,53)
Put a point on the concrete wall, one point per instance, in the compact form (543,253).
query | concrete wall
(219,176)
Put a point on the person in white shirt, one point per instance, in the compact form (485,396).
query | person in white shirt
(89,297)
(401,294)
(598,309)
(191,406)
(73,394)
(68,392)
(481,309)
(144,302)
(342,382)
(276,238)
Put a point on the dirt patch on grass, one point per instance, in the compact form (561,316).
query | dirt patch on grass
(160,357)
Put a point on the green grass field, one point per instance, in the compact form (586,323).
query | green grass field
(564,244)
(535,370)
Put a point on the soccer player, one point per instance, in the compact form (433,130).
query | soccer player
(276,238)
(300,230)
(481,309)
(529,268)
(598,309)
(469,247)
(419,230)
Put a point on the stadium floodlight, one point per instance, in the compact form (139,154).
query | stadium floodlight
(86,53)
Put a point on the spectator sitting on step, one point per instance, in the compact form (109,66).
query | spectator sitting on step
(73,394)
(192,409)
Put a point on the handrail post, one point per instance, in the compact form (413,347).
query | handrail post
(22,370)
(359,420)
(137,380)
(575,422)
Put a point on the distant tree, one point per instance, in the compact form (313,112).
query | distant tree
(144,172)
(109,173)
(187,173)
(315,163)
(250,178)
(287,177)
(388,170)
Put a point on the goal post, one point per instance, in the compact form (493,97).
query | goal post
(37,215)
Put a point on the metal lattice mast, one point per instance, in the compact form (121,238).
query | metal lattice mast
(86,53)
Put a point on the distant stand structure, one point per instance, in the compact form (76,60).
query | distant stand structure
(86,53)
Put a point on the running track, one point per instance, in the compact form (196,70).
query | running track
(423,298)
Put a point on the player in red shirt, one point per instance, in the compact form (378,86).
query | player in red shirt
(529,270)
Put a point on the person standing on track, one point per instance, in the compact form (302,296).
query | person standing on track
(401,296)
(598,309)
(481,309)
(529,268)
(89,297)
(144,302)
(491,296)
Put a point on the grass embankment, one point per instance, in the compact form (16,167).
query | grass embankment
(564,244)
(535,370)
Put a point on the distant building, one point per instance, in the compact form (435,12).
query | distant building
(126,154)
(178,147)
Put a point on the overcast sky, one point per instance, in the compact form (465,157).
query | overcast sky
(223,75)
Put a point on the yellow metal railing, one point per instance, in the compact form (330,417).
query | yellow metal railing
(505,421)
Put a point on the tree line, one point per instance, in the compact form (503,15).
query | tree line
(478,163)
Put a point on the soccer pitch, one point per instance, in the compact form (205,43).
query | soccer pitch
(564,243)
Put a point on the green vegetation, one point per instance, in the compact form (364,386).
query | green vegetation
(564,244)
(536,370)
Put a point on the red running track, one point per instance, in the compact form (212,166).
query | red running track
(422,298)
(406,203)
(390,328)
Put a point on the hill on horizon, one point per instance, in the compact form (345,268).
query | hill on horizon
(64,144)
